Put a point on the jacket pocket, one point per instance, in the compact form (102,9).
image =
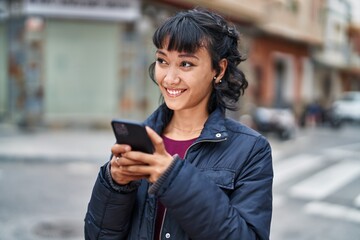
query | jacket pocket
(224,178)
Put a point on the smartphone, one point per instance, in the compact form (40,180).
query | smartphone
(133,134)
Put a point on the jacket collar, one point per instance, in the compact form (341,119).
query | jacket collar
(214,128)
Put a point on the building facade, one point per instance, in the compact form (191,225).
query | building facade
(85,62)
(74,62)
(332,58)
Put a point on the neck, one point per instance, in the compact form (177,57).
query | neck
(186,125)
(181,134)
(188,121)
(188,131)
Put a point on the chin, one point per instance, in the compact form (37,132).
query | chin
(172,106)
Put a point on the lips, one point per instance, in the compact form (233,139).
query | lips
(175,92)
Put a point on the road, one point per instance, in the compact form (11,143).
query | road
(44,200)
(316,191)
(317,186)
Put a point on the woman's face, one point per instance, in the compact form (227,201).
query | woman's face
(184,79)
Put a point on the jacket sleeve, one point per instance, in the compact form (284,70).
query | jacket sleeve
(204,211)
(109,211)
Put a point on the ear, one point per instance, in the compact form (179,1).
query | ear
(223,65)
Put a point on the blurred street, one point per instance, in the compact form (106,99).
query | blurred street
(317,185)
(46,179)
(67,67)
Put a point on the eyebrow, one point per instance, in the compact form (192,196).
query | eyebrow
(180,55)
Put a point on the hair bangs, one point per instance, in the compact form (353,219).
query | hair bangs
(182,35)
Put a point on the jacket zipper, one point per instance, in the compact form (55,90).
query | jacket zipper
(207,140)
(162,223)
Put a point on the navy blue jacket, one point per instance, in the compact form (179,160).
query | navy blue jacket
(221,190)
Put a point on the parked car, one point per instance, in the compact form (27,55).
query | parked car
(314,114)
(280,121)
(347,107)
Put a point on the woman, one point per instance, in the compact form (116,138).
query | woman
(209,177)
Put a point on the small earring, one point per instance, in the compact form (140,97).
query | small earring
(220,81)
(215,78)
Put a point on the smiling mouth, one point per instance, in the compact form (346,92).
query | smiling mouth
(175,92)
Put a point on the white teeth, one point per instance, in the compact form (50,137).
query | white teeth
(174,92)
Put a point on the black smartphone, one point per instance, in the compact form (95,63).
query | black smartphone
(133,134)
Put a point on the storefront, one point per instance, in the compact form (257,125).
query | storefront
(76,62)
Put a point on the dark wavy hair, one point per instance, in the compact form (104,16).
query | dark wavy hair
(187,31)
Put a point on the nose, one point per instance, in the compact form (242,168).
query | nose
(172,76)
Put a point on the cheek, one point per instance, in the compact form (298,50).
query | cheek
(158,75)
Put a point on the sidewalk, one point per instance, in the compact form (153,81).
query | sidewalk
(55,145)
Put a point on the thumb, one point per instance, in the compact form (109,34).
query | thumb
(157,141)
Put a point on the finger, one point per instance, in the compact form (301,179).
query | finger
(121,178)
(118,149)
(121,161)
(132,174)
(156,140)
(124,161)
(115,161)
(121,171)
(139,158)
(134,178)
(136,170)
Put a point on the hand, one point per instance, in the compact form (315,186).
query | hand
(139,165)
(117,162)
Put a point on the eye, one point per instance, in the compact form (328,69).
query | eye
(186,64)
(160,61)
